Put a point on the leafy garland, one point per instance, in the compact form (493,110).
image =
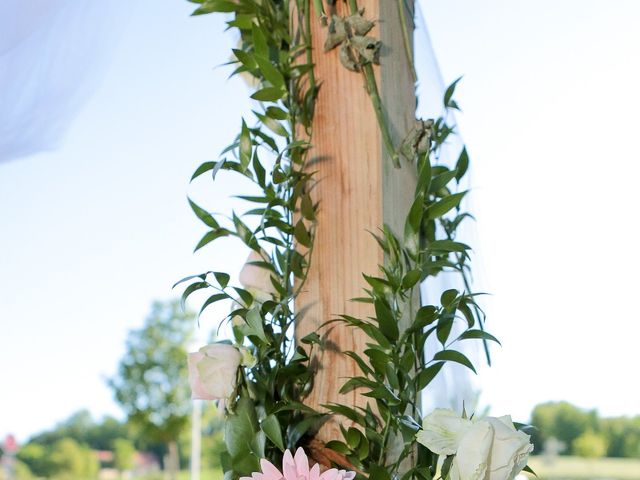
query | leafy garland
(267,415)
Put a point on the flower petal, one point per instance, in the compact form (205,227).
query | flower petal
(198,390)
(472,459)
(302,464)
(269,470)
(289,466)
(510,451)
(442,431)
(330,474)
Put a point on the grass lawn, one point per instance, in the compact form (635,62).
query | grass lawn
(576,468)
(215,474)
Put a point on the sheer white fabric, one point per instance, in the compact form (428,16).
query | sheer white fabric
(52,56)
(456,385)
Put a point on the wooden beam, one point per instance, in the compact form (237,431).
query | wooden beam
(358,190)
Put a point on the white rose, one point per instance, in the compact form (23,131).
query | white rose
(486,449)
(257,279)
(213,371)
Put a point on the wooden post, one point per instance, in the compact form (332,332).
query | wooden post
(358,191)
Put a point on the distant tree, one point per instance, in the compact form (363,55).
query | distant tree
(623,434)
(36,457)
(151,385)
(123,454)
(83,429)
(590,445)
(72,460)
(102,434)
(561,420)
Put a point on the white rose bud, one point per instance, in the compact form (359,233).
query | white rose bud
(213,371)
(257,279)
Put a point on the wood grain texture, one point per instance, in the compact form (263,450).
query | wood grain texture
(358,190)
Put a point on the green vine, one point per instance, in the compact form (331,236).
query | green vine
(267,415)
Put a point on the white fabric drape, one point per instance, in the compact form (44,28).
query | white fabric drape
(456,385)
(52,56)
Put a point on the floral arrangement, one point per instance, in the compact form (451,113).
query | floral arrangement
(264,375)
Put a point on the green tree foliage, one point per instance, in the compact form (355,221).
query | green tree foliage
(72,460)
(590,444)
(584,432)
(623,434)
(84,429)
(36,457)
(562,421)
(123,454)
(151,385)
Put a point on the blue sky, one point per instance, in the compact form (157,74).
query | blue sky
(96,229)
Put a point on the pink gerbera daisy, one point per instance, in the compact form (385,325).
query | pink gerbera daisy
(297,468)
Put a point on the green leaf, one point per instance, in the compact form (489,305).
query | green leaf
(245,146)
(260,171)
(424,176)
(306,207)
(455,356)
(271,428)
(301,234)
(246,296)
(448,94)
(426,375)
(274,125)
(205,167)
(440,181)
(190,289)
(240,428)
(201,276)
(337,446)
(297,430)
(210,237)
(378,472)
(310,339)
(259,41)
(213,6)
(447,246)
(443,329)
(271,73)
(213,299)
(448,297)
(462,165)
(268,94)
(386,320)
(411,278)
(277,113)
(415,213)
(441,207)
(203,215)
(392,376)
(478,334)
(222,278)
(425,316)
(246,59)
(255,324)
(353,438)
